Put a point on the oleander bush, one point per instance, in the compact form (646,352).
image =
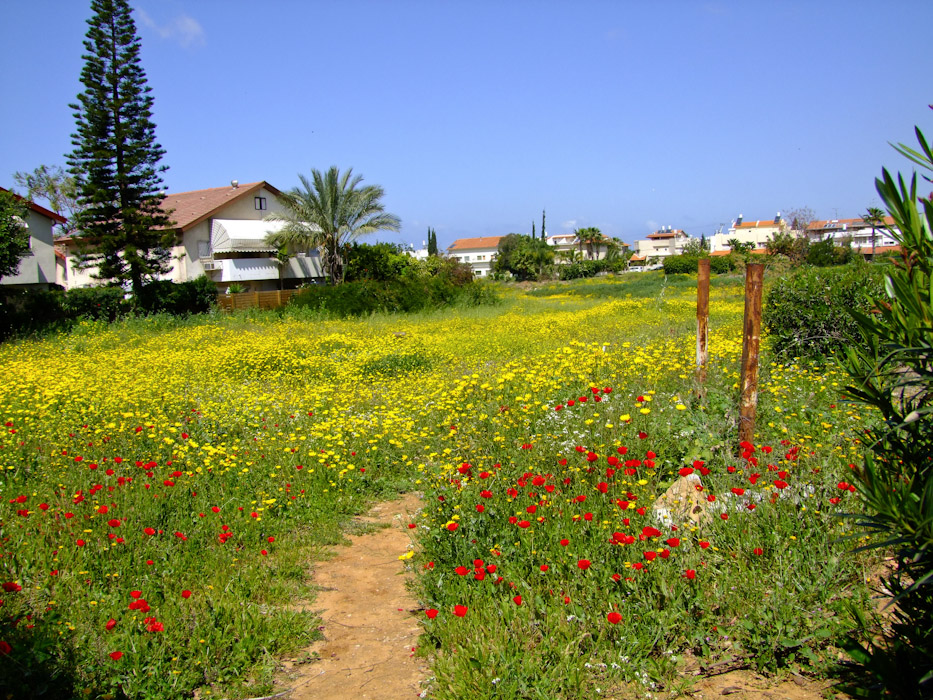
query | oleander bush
(807,310)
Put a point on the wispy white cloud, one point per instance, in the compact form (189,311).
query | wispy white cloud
(652,225)
(571,224)
(182,28)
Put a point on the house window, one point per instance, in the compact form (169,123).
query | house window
(260,203)
(204,249)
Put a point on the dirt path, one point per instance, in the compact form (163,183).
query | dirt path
(368,623)
(370,629)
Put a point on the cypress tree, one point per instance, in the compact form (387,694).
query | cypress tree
(432,242)
(115,161)
(533,234)
(543,234)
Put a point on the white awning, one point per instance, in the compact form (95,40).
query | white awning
(242,235)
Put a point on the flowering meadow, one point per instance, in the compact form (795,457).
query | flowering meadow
(166,485)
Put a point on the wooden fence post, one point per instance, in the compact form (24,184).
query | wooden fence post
(702,319)
(754,274)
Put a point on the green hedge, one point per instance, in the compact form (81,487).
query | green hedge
(806,312)
(588,268)
(686,264)
(26,312)
(406,295)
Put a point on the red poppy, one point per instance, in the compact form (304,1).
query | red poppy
(111,623)
(614,618)
(738,491)
(686,471)
(584,564)
(461,571)
(564,542)
(673,542)
(431,613)
(80,543)
(704,544)
(517,600)
(460,610)
(690,574)
(479,509)
(780,483)
(651,555)
(724,516)
(544,567)
(12,587)
(452,527)
(758,551)
(135,594)
(186,594)
(116,655)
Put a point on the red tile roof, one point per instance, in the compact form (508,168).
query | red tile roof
(638,258)
(659,235)
(760,223)
(838,223)
(57,218)
(484,242)
(191,208)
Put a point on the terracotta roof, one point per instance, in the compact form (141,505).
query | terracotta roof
(638,258)
(57,218)
(719,253)
(475,243)
(761,223)
(838,223)
(866,250)
(191,208)
(658,235)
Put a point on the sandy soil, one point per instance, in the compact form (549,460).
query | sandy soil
(369,621)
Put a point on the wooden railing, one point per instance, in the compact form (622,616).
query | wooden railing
(249,300)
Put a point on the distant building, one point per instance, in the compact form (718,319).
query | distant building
(663,242)
(37,267)
(567,244)
(478,253)
(757,232)
(220,232)
(856,232)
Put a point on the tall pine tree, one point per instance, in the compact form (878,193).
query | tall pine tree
(432,242)
(115,162)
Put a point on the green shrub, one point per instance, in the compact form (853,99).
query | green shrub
(687,264)
(680,264)
(380,261)
(30,311)
(892,371)
(587,268)
(721,264)
(178,299)
(95,303)
(405,295)
(806,312)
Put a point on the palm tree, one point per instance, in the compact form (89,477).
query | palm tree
(328,213)
(874,217)
(588,236)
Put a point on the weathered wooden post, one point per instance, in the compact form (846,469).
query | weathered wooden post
(754,274)
(702,319)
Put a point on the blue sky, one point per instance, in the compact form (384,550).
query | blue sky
(475,116)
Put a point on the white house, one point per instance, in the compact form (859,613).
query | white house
(564,243)
(37,267)
(220,232)
(757,232)
(478,253)
(856,231)
(663,242)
